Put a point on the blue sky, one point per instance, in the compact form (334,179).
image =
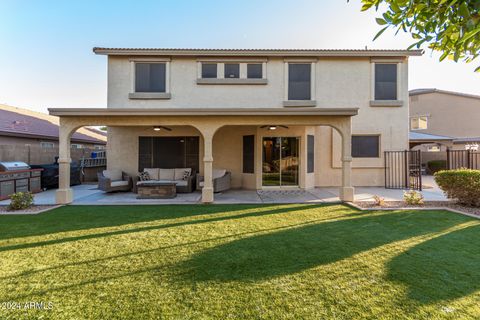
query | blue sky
(46,57)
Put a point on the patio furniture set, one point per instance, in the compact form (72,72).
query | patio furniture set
(161,183)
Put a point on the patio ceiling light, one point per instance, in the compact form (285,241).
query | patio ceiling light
(158,128)
(273,127)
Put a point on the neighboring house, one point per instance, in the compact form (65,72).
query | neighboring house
(276,119)
(23,127)
(445,119)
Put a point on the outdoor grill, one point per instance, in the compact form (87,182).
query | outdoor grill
(17,176)
(50,174)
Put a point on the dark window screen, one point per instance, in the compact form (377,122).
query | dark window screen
(299,87)
(150,77)
(209,70)
(310,154)
(254,71)
(232,70)
(249,154)
(365,146)
(168,152)
(385,81)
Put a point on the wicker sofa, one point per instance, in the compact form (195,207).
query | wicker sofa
(175,175)
(221,180)
(114,180)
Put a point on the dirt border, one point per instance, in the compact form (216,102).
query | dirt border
(430,206)
(35,209)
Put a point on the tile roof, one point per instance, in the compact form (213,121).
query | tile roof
(24,123)
(416,92)
(257,52)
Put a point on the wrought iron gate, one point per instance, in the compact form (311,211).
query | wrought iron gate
(403,170)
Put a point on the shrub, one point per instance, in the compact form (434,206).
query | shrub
(413,197)
(378,201)
(436,165)
(20,200)
(461,184)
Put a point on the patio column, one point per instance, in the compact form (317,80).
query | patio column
(64,193)
(207,190)
(347,191)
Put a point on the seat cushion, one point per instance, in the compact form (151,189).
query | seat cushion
(181,183)
(113,175)
(180,173)
(119,183)
(167,174)
(218,173)
(152,172)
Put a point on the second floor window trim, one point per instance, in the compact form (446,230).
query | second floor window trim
(156,81)
(233,72)
(386,89)
(297,99)
(419,123)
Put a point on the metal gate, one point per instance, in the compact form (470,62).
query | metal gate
(403,170)
(457,159)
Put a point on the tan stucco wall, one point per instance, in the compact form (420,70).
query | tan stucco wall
(227,154)
(448,115)
(339,82)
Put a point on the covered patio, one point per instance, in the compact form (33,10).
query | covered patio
(207,122)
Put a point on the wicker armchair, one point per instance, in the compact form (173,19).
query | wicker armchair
(107,185)
(220,184)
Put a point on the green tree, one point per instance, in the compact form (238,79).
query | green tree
(448,26)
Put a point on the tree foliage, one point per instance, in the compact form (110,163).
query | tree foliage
(449,26)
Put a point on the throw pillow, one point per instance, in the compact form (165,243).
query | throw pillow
(186,174)
(144,176)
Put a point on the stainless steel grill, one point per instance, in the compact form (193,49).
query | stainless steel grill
(17,176)
(13,166)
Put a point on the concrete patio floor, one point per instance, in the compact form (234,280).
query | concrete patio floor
(88,194)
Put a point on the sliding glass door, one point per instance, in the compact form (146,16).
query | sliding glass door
(280,161)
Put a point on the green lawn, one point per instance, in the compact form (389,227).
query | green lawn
(240,262)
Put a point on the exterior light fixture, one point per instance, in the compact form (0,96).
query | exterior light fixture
(272,127)
(158,128)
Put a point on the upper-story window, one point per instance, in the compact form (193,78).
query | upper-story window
(150,77)
(418,123)
(209,70)
(232,70)
(386,81)
(254,71)
(299,81)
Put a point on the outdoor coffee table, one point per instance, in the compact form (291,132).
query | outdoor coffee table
(156,190)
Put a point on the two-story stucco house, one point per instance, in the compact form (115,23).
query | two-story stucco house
(273,118)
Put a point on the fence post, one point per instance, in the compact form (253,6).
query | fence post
(407,171)
(469,166)
(420,169)
(448,158)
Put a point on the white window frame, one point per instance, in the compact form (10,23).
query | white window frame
(43,144)
(300,103)
(150,95)
(77,146)
(418,122)
(386,103)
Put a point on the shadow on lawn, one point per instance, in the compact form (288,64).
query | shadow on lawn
(443,268)
(298,249)
(278,209)
(74,218)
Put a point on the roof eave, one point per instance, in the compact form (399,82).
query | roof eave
(199,112)
(256,52)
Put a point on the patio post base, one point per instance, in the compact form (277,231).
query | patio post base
(64,196)
(347,193)
(207,194)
